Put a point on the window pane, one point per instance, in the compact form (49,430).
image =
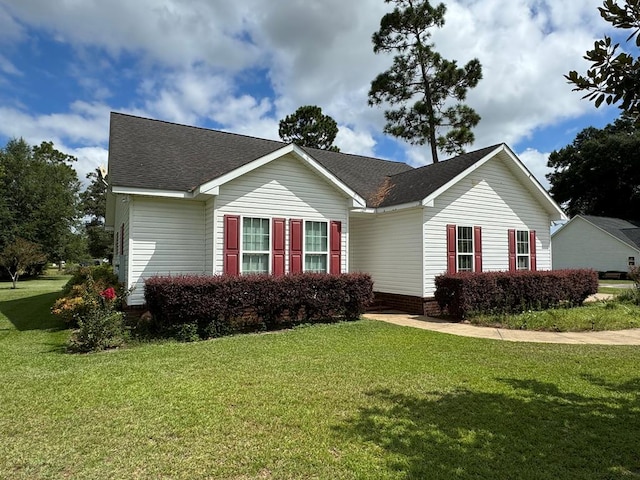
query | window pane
(255,234)
(315,237)
(465,240)
(255,263)
(523,242)
(315,263)
(523,262)
(465,263)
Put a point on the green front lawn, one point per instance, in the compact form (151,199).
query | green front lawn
(345,401)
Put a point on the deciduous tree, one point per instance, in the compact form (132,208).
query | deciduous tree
(614,78)
(599,173)
(420,84)
(308,127)
(39,188)
(18,256)
(93,203)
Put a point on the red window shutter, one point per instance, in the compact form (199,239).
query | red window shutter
(231,244)
(451,249)
(295,246)
(477,249)
(532,250)
(122,239)
(277,246)
(512,250)
(335,247)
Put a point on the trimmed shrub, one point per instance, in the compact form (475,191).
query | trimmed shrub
(462,294)
(220,305)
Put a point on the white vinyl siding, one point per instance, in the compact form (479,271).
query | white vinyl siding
(583,245)
(389,247)
(283,188)
(167,238)
(492,198)
(208,229)
(121,233)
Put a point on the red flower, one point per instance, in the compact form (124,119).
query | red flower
(108,294)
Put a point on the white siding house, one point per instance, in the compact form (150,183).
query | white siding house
(602,243)
(185,200)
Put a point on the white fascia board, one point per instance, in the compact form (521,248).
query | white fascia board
(391,208)
(211,186)
(150,192)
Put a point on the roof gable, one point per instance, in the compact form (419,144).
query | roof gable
(627,231)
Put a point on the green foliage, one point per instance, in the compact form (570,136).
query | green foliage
(421,83)
(100,324)
(93,203)
(599,173)
(613,78)
(82,293)
(308,127)
(39,196)
(19,256)
(599,316)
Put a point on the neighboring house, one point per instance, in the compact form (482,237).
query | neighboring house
(187,200)
(602,243)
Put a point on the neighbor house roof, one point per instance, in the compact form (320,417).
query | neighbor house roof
(154,155)
(627,231)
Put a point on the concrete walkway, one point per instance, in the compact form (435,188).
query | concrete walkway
(618,337)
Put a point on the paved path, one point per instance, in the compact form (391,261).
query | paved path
(618,337)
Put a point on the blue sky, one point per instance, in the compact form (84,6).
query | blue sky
(241,66)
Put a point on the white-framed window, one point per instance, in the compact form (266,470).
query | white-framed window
(256,241)
(464,249)
(523,251)
(316,246)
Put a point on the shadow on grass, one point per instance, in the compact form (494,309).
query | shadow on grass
(33,312)
(535,432)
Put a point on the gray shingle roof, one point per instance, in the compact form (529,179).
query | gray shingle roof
(418,184)
(158,155)
(627,231)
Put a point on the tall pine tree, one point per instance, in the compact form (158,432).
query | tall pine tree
(420,84)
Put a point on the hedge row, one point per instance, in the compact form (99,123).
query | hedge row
(220,305)
(462,294)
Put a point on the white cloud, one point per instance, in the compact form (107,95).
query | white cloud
(356,142)
(536,162)
(189,57)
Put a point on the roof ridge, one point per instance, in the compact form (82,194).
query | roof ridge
(423,167)
(198,127)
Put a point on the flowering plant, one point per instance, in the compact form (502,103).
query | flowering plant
(109,294)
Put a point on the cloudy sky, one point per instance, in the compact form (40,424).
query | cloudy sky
(242,65)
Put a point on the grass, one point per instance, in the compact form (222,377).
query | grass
(345,401)
(614,287)
(598,316)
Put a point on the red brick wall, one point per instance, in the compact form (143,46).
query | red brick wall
(408,303)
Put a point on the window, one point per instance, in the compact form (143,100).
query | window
(522,249)
(315,246)
(255,245)
(465,249)
(632,261)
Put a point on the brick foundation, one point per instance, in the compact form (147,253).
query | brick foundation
(408,303)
